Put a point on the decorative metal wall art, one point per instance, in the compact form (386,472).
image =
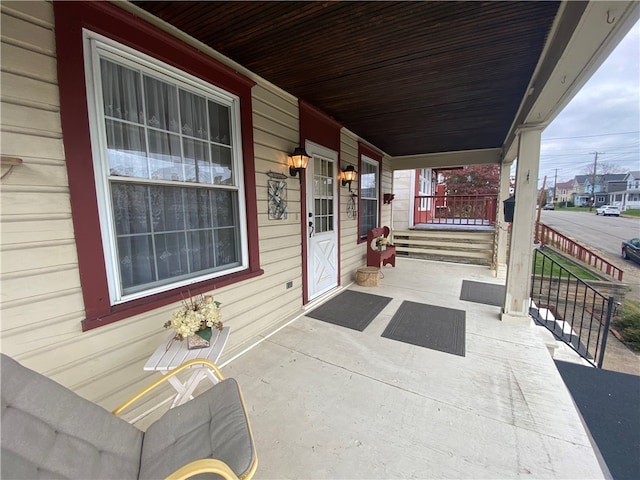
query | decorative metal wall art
(277,189)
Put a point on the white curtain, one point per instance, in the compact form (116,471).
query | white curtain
(166,232)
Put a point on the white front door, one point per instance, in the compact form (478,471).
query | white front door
(322,220)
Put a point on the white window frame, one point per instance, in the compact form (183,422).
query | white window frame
(376,164)
(97,46)
(424,187)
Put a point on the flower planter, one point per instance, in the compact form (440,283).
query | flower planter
(201,339)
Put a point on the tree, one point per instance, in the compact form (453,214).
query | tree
(473,180)
(604,168)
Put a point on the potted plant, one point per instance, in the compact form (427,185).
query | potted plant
(381,243)
(195,321)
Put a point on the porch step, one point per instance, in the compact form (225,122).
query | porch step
(459,246)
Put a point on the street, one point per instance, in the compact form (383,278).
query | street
(603,233)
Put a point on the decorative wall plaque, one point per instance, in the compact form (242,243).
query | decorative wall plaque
(277,196)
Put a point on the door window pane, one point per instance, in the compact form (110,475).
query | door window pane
(323,194)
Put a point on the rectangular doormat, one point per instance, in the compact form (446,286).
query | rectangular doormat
(479,292)
(429,326)
(350,309)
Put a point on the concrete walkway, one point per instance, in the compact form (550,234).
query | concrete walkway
(327,402)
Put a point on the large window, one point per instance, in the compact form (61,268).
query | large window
(166,155)
(159,153)
(369,195)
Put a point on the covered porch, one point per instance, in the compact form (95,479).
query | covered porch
(388,85)
(330,402)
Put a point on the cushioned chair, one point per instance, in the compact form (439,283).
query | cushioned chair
(50,432)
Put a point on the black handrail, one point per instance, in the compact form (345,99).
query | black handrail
(575,312)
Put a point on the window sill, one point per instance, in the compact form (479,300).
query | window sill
(137,307)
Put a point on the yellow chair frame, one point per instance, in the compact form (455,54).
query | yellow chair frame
(206,465)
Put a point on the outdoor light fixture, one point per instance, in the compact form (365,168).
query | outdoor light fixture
(348,176)
(298,162)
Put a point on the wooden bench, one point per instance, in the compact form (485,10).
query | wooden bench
(377,257)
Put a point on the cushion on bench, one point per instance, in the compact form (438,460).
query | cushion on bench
(214,426)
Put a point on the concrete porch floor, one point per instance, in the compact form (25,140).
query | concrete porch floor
(327,402)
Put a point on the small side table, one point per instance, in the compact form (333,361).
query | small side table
(165,359)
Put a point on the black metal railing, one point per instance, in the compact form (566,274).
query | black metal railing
(576,313)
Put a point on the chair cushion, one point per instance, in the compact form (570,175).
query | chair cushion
(212,425)
(50,432)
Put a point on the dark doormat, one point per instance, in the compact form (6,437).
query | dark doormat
(479,292)
(609,404)
(429,326)
(350,309)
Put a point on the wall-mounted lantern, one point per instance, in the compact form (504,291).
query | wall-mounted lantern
(298,162)
(388,198)
(348,176)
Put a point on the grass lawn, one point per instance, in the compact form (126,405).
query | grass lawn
(574,209)
(629,324)
(632,213)
(577,270)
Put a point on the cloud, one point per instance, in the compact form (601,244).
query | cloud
(603,117)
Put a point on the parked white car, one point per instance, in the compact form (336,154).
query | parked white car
(608,210)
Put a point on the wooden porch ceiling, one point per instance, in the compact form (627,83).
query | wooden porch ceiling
(409,77)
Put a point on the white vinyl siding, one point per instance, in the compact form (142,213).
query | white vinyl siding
(352,253)
(42,304)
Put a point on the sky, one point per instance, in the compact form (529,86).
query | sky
(603,117)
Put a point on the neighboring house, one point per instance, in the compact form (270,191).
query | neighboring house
(607,185)
(549,195)
(632,180)
(598,192)
(615,192)
(581,196)
(631,195)
(407,184)
(408,187)
(564,192)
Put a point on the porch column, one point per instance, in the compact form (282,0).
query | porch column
(518,287)
(502,227)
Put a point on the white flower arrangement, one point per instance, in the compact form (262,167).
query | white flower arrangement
(196,314)
(381,240)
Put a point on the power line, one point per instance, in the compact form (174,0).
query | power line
(544,155)
(590,136)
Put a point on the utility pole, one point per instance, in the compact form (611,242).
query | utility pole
(555,182)
(593,181)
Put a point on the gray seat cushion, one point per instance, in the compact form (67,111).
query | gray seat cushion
(212,425)
(50,432)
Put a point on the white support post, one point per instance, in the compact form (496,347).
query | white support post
(502,227)
(517,297)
